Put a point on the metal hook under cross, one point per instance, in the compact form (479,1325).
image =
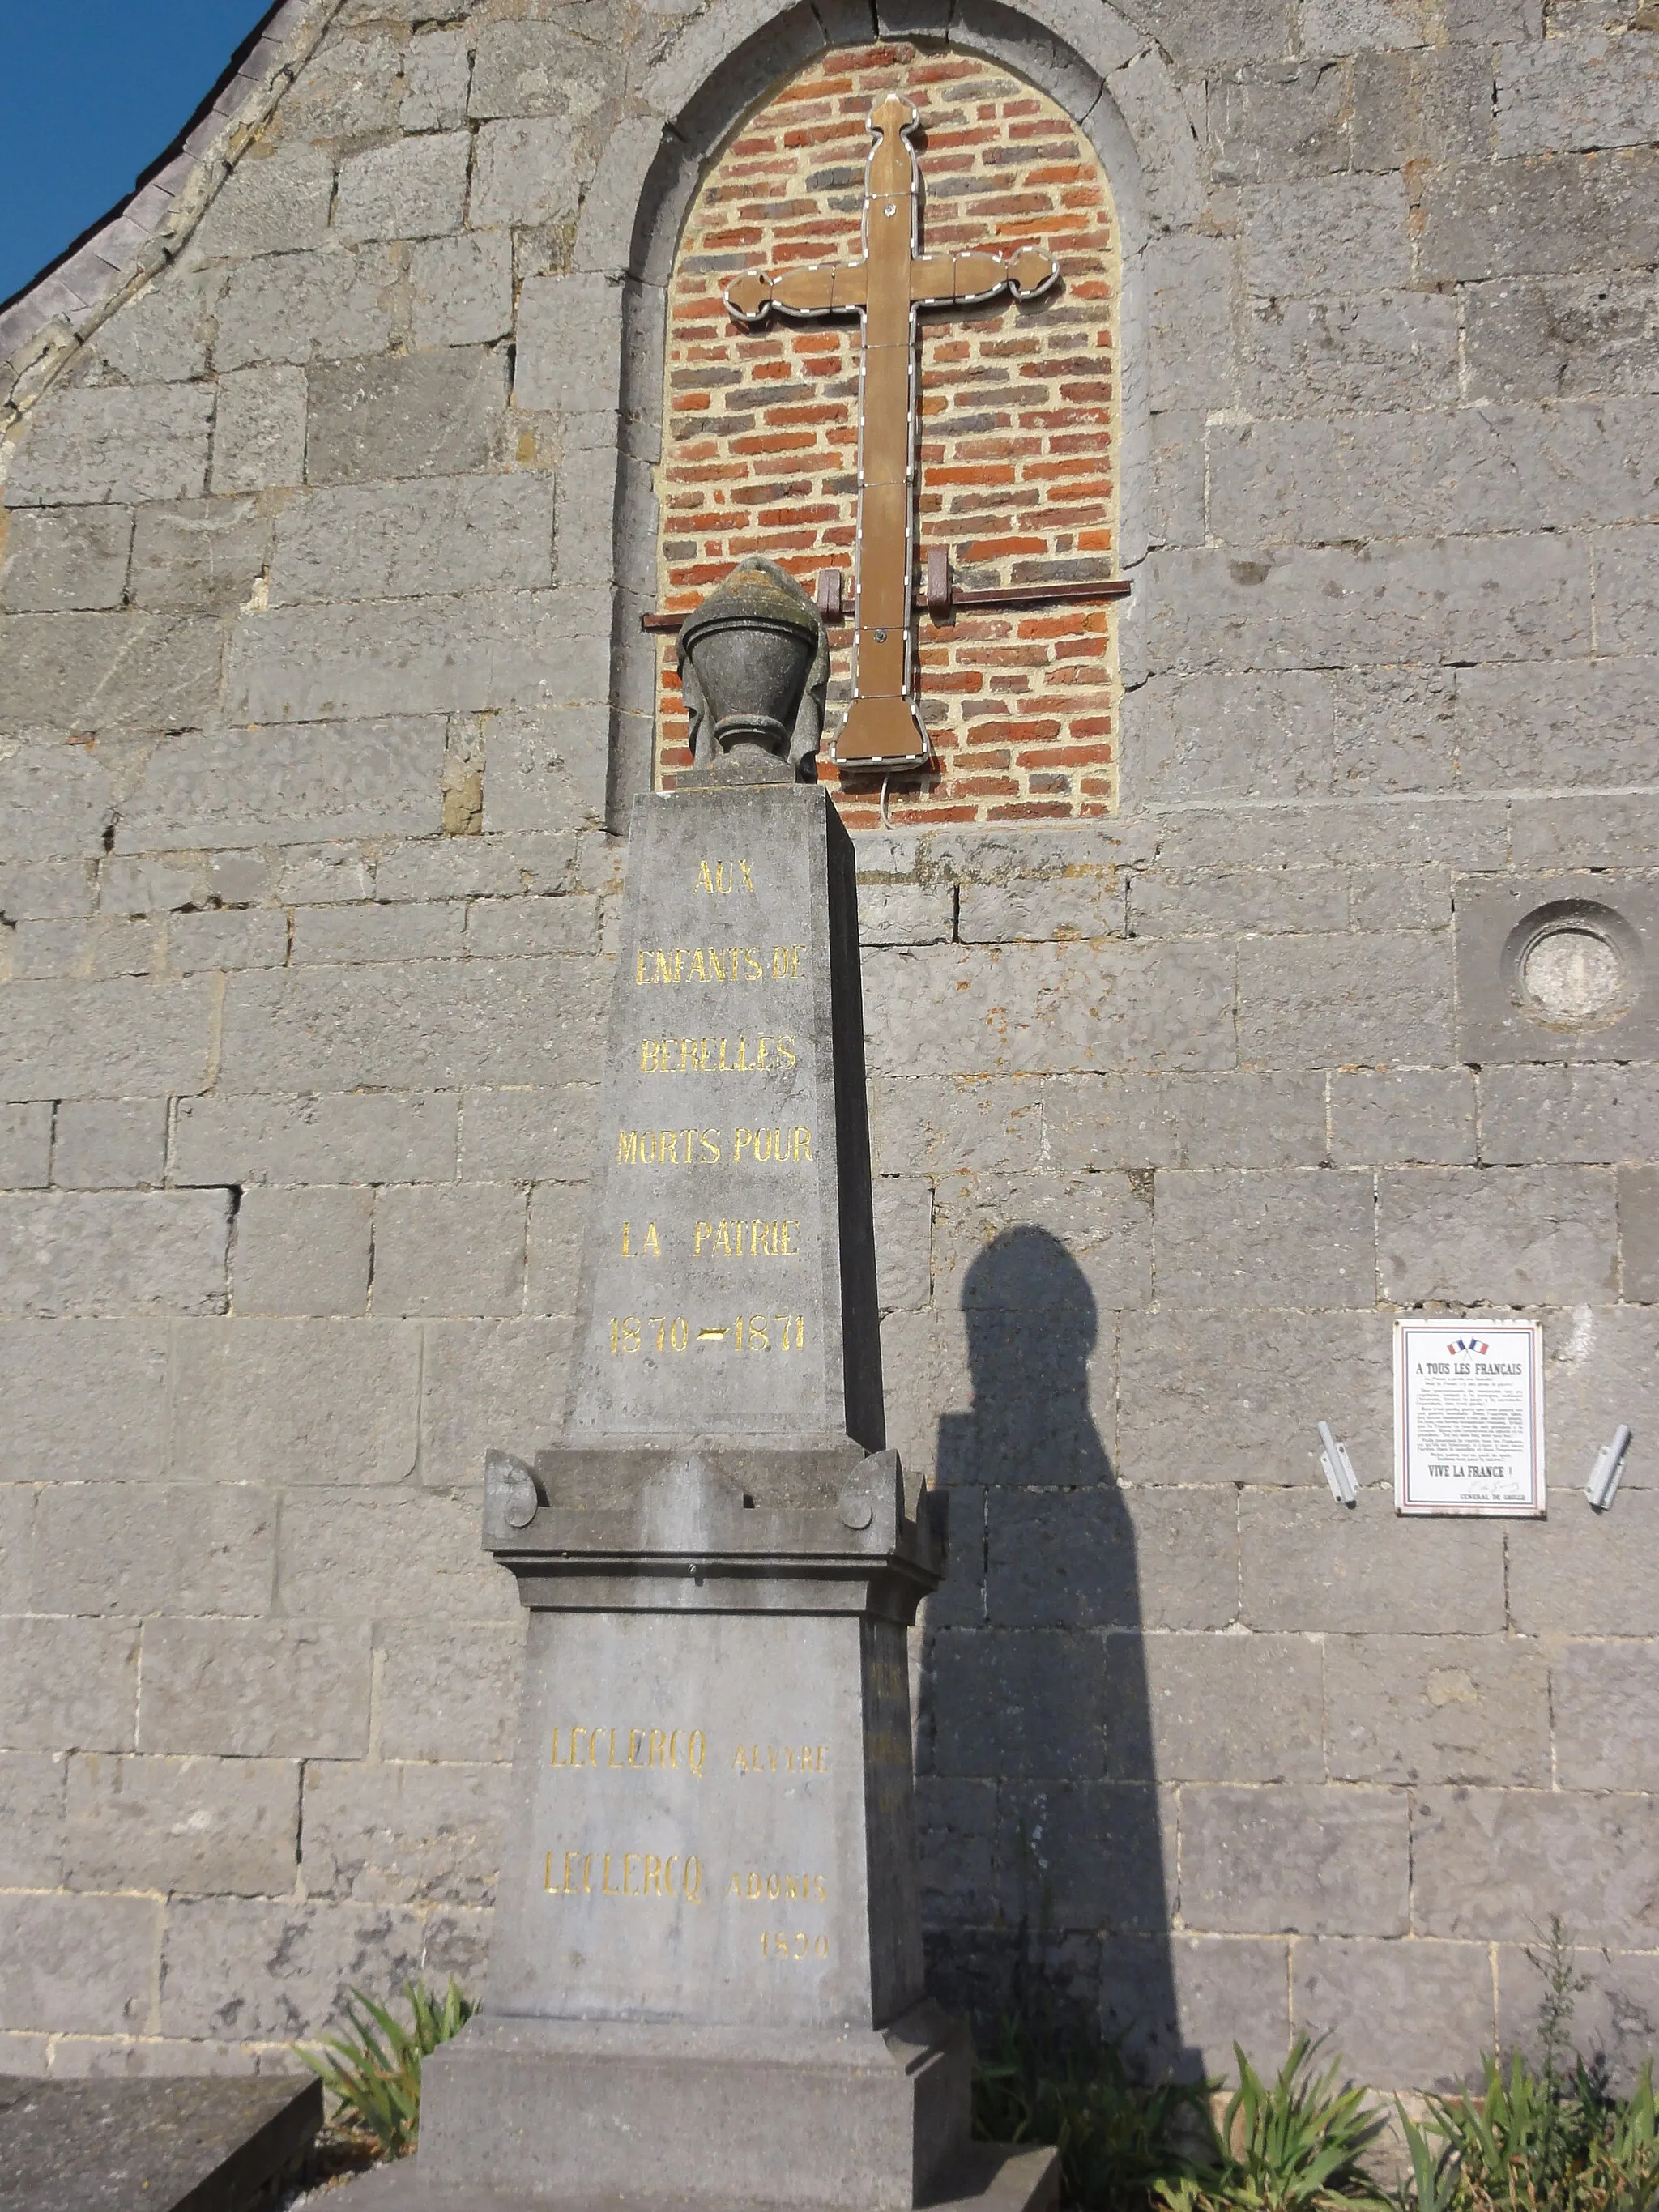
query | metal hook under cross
(884,288)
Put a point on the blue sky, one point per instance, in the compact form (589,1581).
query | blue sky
(90,93)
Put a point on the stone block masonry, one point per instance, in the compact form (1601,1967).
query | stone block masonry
(309,612)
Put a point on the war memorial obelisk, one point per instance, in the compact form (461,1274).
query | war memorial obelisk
(706,1984)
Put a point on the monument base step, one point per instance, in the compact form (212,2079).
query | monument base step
(985,2178)
(856,2119)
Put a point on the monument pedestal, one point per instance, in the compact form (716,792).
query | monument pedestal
(706,1984)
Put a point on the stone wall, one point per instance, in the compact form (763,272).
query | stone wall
(323,559)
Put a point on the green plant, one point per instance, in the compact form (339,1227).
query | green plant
(376,2078)
(1291,2145)
(1547,2138)
(1116,2140)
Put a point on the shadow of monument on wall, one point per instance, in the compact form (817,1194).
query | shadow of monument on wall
(1043,1860)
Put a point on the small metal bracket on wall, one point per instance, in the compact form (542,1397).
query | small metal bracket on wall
(1339,1468)
(1603,1485)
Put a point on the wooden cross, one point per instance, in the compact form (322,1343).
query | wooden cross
(885,287)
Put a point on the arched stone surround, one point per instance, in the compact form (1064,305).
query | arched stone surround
(1108,77)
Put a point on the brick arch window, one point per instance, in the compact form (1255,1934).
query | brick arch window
(1019,437)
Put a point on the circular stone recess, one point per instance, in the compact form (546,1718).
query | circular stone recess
(1573,975)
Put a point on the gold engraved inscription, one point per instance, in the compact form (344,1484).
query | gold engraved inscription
(754,1888)
(668,1148)
(780,1758)
(624,1874)
(650,1248)
(746,1240)
(631,1333)
(722,875)
(657,964)
(665,1055)
(793,1146)
(777,1944)
(703,1148)
(674,1749)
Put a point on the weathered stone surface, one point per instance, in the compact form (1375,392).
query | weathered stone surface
(1479,1857)
(198,1826)
(1403,2014)
(1430,1709)
(1405,1118)
(456,1251)
(449,1693)
(1556,1116)
(59,557)
(1487,468)
(352,935)
(1104,1559)
(324,1401)
(489,1385)
(86,1402)
(68,1684)
(1224,1398)
(302,1252)
(274,201)
(1587,93)
(1104,1223)
(1204,1708)
(1306,1563)
(255,1689)
(79,1966)
(437,70)
(1368,999)
(1515,597)
(414,188)
(72,1254)
(115,442)
(431,1025)
(1561,1576)
(207,2139)
(1579,336)
(32,1788)
(401,1835)
(25,1146)
(1499,1237)
(310,1956)
(259,429)
(420,414)
(1639,1233)
(201,553)
(462,287)
(1540,217)
(1318,1861)
(363,1137)
(525,1135)
(135,1549)
(1614,2017)
(1225,1989)
(1351,355)
(1601,1696)
(346,778)
(460,533)
(127,670)
(1296,1240)
(299,307)
(527,172)
(1050,1008)
(426,1565)
(471,651)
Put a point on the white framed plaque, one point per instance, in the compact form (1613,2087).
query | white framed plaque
(1468,1417)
